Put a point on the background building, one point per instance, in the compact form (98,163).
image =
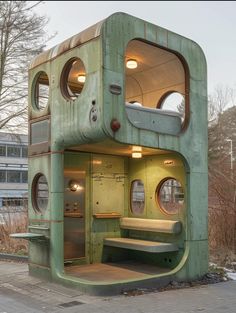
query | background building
(13,170)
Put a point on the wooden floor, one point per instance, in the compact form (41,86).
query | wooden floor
(114,271)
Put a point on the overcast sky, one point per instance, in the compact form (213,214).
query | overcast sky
(212,24)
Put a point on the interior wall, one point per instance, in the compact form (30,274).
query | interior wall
(158,72)
(107,190)
(108,175)
(152,170)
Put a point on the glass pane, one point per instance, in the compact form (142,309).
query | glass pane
(42,91)
(171,196)
(137,197)
(11,202)
(73,78)
(174,102)
(39,132)
(2,150)
(13,151)
(2,176)
(24,177)
(41,193)
(24,152)
(13,176)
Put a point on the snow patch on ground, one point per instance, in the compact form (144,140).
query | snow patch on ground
(231,275)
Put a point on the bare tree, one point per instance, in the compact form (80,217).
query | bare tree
(22,36)
(219,100)
(222,168)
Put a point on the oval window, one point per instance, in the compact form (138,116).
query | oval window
(40,193)
(137,197)
(174,101)
(73,78)
(170,195)
(41,92)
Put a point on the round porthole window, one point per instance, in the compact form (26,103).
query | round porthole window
(41,91)
(40,193)
(137,197)
(173,101)
(170,196)
(73,78)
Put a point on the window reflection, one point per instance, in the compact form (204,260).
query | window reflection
(73,78)
(175,102)
(40,193)
(137,197)
(42,91)
(13,151)
(171,196)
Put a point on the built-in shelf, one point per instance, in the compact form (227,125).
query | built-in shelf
(39,227)
(73,214)
(29,236)
(107,215)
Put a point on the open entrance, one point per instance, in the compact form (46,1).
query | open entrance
(124,212)
(157,84)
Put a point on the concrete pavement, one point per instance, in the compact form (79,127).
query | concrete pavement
(20,293)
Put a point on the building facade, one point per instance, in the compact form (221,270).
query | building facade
(13,170)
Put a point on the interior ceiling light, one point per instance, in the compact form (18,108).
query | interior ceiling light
(136,155)
(136,152)
(137,149)
(81,78)
(131,63)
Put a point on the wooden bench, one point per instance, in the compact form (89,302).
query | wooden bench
(151,225)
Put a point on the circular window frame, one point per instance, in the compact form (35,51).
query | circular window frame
(158,198)
(34,194)
(64,78)
(33,92)
(166,95)
(185,95)
(143,211)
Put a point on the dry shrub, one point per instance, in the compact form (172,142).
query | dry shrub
(12,221)
(222,234)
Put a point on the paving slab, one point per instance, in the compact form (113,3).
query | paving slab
(21,293)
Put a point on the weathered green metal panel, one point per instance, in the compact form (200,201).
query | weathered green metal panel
(39,165)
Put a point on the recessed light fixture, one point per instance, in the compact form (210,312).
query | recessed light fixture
(136,152)
(136,155)
(81,78)
(137,148)
(131,63)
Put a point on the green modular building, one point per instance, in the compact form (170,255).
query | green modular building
(118,158)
